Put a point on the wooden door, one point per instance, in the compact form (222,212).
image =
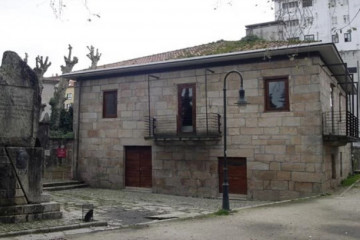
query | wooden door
(138,167)
(237,175)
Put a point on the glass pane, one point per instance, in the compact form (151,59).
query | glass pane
(110,104)
(277,94)
(187,109)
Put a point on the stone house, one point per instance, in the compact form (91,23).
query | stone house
(69,95)
(49,85)
(157,122)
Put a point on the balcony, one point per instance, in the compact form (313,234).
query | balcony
(340,128)
(167,128)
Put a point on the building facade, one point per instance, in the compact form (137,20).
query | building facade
(69,95)
(160,125)
(318,20)
(336,21)
(271,31)
(47,93)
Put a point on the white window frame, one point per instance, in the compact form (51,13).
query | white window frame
(335,38)
(309,37)
(347,37)
(292,23)
(292,4)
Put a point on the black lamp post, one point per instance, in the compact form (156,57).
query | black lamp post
(241,101)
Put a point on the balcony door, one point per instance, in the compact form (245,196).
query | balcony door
(186,108)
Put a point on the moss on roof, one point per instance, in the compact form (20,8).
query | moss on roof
(219,47)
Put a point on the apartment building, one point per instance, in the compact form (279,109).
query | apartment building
(336,21)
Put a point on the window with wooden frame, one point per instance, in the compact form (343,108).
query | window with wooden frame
(186,108)
(110,104)
(276,94)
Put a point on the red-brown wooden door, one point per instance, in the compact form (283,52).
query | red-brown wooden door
(237,175)
(138,167)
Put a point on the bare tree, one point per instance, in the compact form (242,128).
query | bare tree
(298,20)
(26,58)
(69,64)
(93,57)
(58,7)
(57,102)
(40,69)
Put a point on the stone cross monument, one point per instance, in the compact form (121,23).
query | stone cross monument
(20,159)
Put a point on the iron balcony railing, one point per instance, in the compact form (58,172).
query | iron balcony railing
(167,126)
(342,124)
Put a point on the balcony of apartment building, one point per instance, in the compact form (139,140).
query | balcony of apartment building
(199,127)
(340,128)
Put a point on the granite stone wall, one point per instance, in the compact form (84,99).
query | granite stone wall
(285,153)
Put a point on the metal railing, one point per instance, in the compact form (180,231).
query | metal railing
(341,124)
(207,125)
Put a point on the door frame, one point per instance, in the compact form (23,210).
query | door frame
(241,161)
(143,148)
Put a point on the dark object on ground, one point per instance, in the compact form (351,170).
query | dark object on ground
(89,216)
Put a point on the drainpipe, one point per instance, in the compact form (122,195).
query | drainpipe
(206,100)
(357,97)
(149,117)
(78,132)
(332,108)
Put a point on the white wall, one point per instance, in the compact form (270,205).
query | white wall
(323,26)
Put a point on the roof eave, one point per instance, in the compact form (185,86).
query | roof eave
(328,52)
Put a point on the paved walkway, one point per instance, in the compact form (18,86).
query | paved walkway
(118,209)
(331,217)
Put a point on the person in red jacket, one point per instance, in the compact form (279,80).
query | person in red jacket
(60,153)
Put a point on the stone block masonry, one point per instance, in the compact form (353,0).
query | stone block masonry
(20,161)
(285,154)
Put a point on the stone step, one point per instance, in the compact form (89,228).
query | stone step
(61,183)
(30,217)
(30,212)
(65,187)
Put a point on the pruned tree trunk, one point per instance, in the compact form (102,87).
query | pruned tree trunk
(40,69)
(93,57)
(57,102)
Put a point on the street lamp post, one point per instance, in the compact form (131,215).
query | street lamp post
(241,101)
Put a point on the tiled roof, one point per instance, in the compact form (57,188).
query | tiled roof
(54,79)
(201,50)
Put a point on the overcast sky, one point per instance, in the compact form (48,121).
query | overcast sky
(125,29)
